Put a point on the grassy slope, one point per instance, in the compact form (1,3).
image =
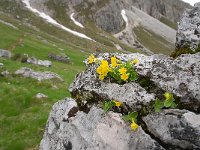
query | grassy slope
(22,117)
(157,44)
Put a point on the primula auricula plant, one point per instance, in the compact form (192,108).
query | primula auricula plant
(167,103)
(115,69)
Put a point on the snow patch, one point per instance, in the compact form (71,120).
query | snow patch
(123,13)
(54,22)
(76,22)
(8,24)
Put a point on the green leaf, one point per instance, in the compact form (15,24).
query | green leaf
(173,105)
(158,105)
(131,116)
(168,103)
(133,76)
(107,105)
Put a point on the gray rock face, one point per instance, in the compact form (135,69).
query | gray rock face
(180,128)
(5,73)
(60,58)
(35,61)
(87,86)
(29,73)
(5,53)
(180,76)
(92,131)
(189,29)
(1,65)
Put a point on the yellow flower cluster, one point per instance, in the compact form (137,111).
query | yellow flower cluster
(114,61)
(103,69)
(168,96)
(134,125)
(91,59)
(123,73)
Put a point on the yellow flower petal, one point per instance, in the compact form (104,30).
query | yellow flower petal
(135,61)
(118,104)
(91,59)
(134,126)
(114,62)
(168,96)
(122,70)
(124,77)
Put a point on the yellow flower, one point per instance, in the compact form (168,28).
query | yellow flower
(134,126)
(118,104)
(91,59)
(124,76)
(103,69)
(122,70)
(135,61)
(114,62)
(168,96)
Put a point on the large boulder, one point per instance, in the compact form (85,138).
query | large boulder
(5,53)
(180,76)
(188,34)
(29,73)
(68,128)
(180,128)
(33,60)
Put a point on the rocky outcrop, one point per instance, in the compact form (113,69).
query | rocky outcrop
(188,34)
(29,73)
(33,60)
(80,123)
(41,96)
(180,77)
(5,53)
(70,129)
(180,128)
(60,58)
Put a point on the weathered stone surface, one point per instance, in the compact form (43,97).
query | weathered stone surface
(1,65)
(87,86)
(188,29)
(60,58)
(180,76)
(41,96)
(5,53)
(33,60)
(92,131)
(180,128)
(5,73)
(27,72)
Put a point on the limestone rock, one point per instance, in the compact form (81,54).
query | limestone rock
(29,73)
(41,96)
(188,29)
(87,86)
(5,73)
(1,65)
(61,58)
(33,60)
(5,53)
(180,76)
(92,131)
(180,128)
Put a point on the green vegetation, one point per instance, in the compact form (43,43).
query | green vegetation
(169,23)
(157,44)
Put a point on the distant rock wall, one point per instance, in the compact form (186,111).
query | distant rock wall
(188,34)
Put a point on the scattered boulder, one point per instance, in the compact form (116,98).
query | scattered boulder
(5,73)
(1,65)
(180,128)
(29,73)
(68,128)
(41,96)
(33,60)
(64,59)
(188,34)
(5,53)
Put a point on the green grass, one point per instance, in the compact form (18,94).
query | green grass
(169,23)
(22,116)
(153,42)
